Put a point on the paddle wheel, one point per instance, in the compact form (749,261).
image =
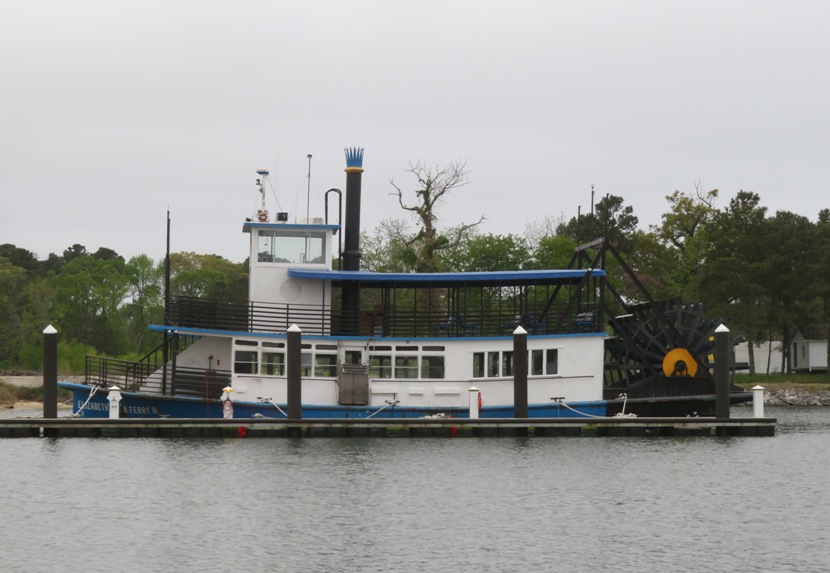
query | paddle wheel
(659,353)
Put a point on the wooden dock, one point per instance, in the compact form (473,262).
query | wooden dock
(415,427)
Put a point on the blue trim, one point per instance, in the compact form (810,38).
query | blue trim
(496,276)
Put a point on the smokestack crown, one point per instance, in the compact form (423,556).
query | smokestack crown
(354,159)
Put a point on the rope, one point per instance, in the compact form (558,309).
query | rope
(388,403)
(274,404)
(81,409)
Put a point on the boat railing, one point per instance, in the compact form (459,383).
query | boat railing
(134,376)
(127,375)
(393,322)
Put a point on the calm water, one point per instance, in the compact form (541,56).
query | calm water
(543,504)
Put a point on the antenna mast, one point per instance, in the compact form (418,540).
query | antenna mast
(308,191)
(262,213)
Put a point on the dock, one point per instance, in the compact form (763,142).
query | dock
(361,428)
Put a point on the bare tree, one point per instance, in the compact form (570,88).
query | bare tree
(433,184)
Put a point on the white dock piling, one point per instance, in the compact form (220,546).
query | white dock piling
(758,401)
(474,394)
(115,402)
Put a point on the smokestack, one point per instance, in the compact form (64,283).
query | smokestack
(354,174)
(351,250)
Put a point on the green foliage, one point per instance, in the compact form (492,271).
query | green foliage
(611,219)
(208,276)
(488,252)
(72,356)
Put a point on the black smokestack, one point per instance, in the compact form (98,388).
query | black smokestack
(351,251)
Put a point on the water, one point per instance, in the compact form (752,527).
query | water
(538,504)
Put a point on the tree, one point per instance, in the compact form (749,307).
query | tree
(145,303)
(208,276)
(489,252)
(434,183)
(12,279)
(389,249)
(732,277)
(683,232)
(553,252)
(611,219)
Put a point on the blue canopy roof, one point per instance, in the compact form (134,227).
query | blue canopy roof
(557,276)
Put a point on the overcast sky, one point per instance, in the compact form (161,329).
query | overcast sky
(113,112)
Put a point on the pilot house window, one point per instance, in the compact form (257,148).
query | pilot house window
(297,247)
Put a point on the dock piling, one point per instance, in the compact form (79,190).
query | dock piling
(294,359)
(758,401)
(722,372)
(114,398)
(520,373)
(50,372)
(474,394)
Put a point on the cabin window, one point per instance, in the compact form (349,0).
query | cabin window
(297,247)
(536,362)
(507,364)
(380,367)
(273,363)
(305,364)
(266,344)
(325,365)
(245,362)
(353,357)
(492,364)
(478,365)
(432,367)
(552,361)
(406,367)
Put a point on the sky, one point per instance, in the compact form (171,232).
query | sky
(111,113)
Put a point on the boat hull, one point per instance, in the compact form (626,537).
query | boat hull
(143,405)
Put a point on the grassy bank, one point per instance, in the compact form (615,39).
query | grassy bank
(11,394)
(816,382)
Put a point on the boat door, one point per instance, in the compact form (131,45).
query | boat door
(353,378)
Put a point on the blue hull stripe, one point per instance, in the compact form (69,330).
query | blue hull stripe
(135,405)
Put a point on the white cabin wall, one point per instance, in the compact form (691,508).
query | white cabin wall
(196,355)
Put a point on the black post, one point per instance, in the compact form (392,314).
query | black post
(294,368)
(520,373)
(721,372)
(175,345)
(50,372)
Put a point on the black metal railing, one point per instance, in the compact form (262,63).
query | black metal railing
(127,375)
(134,376)
(397,322)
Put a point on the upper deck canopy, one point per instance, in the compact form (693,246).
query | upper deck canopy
(495,278)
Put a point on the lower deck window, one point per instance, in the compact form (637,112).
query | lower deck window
(492,364)
(552,361)
(500,364)
(432,367)
(245,362)
(406,367)
(537,364)
(325,365)
(380,367)
(273,363)
(507,364)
